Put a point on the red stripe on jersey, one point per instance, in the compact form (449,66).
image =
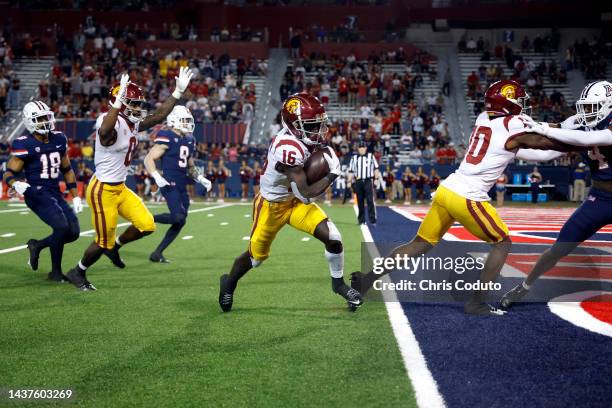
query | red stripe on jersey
(162,139)
(289,142)
(507,120)
(496,227)
(19,151)
(483,227)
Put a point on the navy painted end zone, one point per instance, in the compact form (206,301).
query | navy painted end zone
(527,358)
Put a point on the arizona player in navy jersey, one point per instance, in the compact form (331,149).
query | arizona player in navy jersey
(42,156)
(174,147)
(591,128)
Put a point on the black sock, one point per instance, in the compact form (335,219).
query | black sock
(337,283)
(241,266)
(165,218)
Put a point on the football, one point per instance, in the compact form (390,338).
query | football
(316,167)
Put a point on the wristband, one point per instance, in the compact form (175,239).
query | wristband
(66,169)
(10,179)
(70,186)
(177,94)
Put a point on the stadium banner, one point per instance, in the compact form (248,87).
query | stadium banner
(451,272)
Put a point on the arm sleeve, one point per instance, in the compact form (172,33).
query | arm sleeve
(288,154)
(580,137)
(162,138)
(19,148)
(538,155)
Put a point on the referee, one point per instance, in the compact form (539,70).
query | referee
(363,168)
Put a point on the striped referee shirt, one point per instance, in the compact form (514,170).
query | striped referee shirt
(362,167)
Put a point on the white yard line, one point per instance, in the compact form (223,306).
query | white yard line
(123,224)
(14,210)
(425,387)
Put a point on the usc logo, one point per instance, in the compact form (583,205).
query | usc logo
(508,92)
(115,90)
(293,106)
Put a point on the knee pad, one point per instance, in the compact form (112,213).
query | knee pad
(255,263)
(334,234)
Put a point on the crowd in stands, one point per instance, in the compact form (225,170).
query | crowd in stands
(90,61)
(589,56)
(547,106)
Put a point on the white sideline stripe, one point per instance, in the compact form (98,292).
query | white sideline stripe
(425,387)
(12,210)
(123,224)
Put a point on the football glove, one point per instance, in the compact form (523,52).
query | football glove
(123,83)
(332,161)
(159,180)
(535,127)
(182,82)
(205,182)
(20,187)
(571,122)
(77,204)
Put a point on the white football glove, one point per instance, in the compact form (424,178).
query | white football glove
(332,161)
(535,127)
(159,180)
(205,182)
(571,123)
(20,186)
(77,204)
(182,82)
(125,79)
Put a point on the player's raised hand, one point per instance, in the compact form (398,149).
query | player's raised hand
(332,161)
(159,180)
(533,126)
(572,123)
(205,182)
(20,187)
(123,83)
(182,81)
(77,204)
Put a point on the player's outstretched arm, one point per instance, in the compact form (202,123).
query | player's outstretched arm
(538,155)
(572,136)
(538,142)
(195,174)
(106,132)
(71,185)
(160,114)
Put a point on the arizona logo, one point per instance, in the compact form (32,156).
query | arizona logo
(293,106)
(508,91)
(608,90)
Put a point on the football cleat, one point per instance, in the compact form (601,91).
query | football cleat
(226,297)
(483,309)
(158,258)
(78,279)
(352,296)
(57,277)
(34,253)
(113,255)
(513,295)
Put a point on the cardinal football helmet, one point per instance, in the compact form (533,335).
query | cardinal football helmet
(132,104)
(303,115)
(506,97)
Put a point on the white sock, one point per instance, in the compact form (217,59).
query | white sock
(526,286)
(118,242)
(81,266)
(336,264)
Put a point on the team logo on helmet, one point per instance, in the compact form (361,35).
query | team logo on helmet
(508,91)
(293,106)
(608,89)
(115,90)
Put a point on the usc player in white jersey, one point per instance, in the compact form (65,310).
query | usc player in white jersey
(285,198)
(500,135)
(107,195)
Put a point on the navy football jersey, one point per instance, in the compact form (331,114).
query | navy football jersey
(599,158)
(42,160)
(175,161)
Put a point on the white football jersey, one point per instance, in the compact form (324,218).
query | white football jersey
(286,149)
(486,157)
(112,162)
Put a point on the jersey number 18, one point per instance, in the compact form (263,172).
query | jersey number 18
(50,165)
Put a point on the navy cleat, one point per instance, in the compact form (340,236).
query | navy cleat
(113,255)
(513,295)
(226,297)
(353,297)
(79,280)
(158,258)
(34,254)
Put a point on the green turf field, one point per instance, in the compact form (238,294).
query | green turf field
(153,335)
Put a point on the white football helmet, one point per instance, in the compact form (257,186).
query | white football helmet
(595,103)
(181,119)
(38,117)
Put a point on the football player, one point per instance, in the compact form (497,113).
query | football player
(174,146)
(499,136)
(42,156)
(590,128)
(285,198)
(107,195)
